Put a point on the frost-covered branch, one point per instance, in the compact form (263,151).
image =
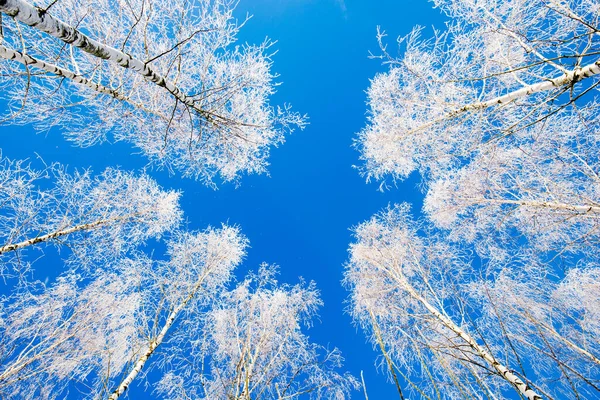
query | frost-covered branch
(490,77)
(386,259)
(255,348)
(101,216)
(163,75)
(202,263)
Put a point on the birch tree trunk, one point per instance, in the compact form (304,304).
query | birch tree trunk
(137,368)
(569,78)
(43,21)
(502,370)
(28,60)
(62,232)
(585,209)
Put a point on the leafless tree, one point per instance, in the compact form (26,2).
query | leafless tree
(98,217)
(72,335)
(545,190)
(403,290)
(452,325)
(163,75)
(498,72)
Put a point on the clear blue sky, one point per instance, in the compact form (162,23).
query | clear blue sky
(300,216)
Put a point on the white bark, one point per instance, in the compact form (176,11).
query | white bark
(569,78)
(62,232)
(39,19)
(541,204)
(513,379)
(137,368)
(27,60)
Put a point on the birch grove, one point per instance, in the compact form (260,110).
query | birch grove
(498,115)
(402,292)
(103,334)
(490,291)
(69,345)
(165,76)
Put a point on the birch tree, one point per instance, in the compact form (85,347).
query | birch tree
(198,267)
(495,75)
(102,334)
(99,217)
(163,75)
(255,348)
(452,325)
(404,293)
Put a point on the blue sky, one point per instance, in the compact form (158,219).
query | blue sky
(300,216)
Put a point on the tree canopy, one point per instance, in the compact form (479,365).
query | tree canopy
(479,279)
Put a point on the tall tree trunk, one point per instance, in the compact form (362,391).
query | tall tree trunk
(591,209)
(137,368)
(569,78)
(502,370)
(28,60)
(62,232)
(39,19)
